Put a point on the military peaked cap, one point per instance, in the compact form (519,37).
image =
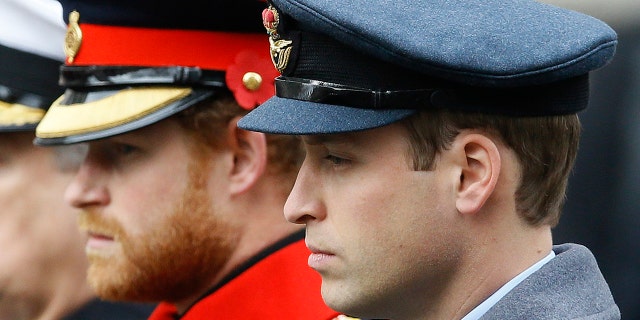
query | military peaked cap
(130,64)
(356,65)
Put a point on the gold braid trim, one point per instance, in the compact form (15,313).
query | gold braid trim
(12,114)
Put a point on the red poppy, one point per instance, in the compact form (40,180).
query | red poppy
(251,79)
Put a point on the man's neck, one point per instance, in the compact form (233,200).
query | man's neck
(487,266)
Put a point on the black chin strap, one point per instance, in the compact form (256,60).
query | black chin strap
(105,76)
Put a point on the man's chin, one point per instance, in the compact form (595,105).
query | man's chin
(117,280)
(110,280)
(103,282)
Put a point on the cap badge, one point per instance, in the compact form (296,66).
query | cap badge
(280,49)
(73,38)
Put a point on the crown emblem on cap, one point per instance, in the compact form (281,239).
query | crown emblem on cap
(73,38)
(280,49)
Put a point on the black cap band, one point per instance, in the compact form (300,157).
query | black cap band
(33,83)
(109,76)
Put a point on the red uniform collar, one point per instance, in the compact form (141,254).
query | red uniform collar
(279,285)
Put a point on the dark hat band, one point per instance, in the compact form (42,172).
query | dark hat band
(33,84)
(331,93)
(316,56)
(564,97)
(106,76)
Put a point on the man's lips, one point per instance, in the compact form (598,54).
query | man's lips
(97,235)
(316,250)
(319,257)
(98,240)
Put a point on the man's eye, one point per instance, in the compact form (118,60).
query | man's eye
(125,149)
(336,160)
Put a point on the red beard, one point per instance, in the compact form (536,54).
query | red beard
(176,257)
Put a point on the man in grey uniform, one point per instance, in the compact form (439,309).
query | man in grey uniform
(439,139)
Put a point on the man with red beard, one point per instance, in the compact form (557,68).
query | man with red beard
(180,206)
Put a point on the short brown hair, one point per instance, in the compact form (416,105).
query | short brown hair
(546,148)
(209,120)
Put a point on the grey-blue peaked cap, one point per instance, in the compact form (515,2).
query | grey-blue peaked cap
(359,64)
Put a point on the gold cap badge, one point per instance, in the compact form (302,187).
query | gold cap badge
(73,38)
(280,49)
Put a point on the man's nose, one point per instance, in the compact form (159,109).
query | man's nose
(304,202)
(87,187)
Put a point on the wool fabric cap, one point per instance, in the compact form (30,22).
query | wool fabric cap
(348,66)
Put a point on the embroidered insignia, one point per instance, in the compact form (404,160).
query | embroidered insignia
(280,49)
(73,38)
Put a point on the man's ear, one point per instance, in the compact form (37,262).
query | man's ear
(249,150)
(480,164)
